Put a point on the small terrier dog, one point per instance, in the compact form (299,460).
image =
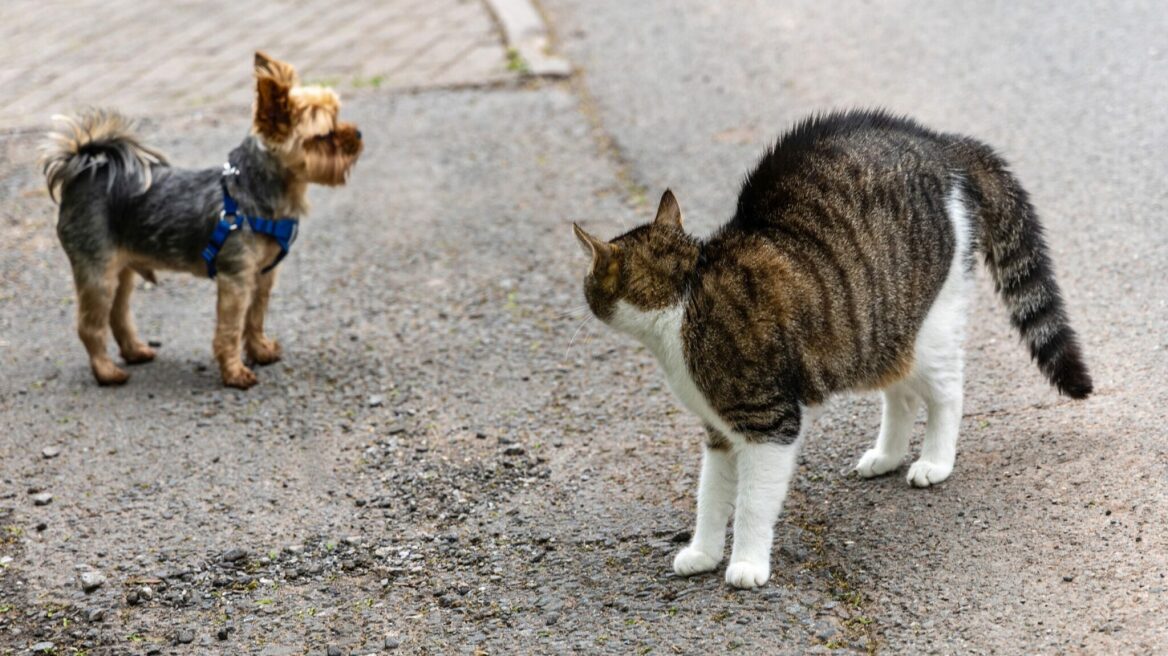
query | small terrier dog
(124,211)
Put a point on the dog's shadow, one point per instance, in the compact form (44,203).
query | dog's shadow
(177,377)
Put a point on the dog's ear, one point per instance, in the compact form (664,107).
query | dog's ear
(282,72)
(274,111)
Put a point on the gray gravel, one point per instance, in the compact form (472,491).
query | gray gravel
(440,464)
(1073,94)
(487,501)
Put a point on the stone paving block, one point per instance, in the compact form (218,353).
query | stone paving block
(479,63)
(148,57)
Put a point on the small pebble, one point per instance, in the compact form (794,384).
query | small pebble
(824,630)
(45,647)
(184,637)
(392,643)
(232,555)
(42,499)
(50,452)
(91,580)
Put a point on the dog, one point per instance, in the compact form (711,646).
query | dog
(124,211)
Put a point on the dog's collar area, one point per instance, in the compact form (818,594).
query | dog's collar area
(283,230)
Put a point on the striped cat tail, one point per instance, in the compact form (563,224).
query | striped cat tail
(1011,239)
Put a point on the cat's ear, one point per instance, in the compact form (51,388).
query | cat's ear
(600,251)
(668,212)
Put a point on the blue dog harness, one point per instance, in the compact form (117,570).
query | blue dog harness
(231,219)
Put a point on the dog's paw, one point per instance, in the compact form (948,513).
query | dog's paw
(240,378)
(690,561)
(876,463)
(744,574)
(108,373)
(264,351)
(138,354)
(924,473)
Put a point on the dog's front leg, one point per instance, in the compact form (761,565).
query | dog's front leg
(235,294)
(260,349)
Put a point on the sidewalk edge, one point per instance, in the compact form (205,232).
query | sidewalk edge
(524,29)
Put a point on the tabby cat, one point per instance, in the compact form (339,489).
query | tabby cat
(847,266)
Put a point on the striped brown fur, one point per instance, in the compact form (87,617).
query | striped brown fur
(822,279)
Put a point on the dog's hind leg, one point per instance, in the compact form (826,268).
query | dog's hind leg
(260,349)
(95,299)
(235,294)
(134,351)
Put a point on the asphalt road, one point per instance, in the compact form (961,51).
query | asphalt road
(1075,95)
(441,464)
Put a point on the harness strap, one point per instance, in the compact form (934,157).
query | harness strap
(284,231)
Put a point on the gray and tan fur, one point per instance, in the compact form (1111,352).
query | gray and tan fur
(846,267)
(124,211)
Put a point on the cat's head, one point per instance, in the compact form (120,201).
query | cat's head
(647,268)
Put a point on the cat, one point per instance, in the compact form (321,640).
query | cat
(847,266)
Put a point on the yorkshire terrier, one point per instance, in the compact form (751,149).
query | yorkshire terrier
(124,211)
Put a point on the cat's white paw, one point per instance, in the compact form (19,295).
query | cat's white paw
(690,561)
(745,574)
(923,473)
(875,463)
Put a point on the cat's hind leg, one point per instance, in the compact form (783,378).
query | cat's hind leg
(939,360)
(900,411)
(939,449)
(716,490)
(938,377)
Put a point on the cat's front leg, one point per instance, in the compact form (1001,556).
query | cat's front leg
(765,469)
(716,491)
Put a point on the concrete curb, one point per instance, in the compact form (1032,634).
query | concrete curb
(527,35)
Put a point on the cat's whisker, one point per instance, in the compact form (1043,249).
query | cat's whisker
(573,312)
(577,333)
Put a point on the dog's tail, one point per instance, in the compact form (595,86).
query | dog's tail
(1011,239)
(93,140)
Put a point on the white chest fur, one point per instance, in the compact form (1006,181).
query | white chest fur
(660,331)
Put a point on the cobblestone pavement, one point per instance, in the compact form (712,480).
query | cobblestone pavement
(153,58)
